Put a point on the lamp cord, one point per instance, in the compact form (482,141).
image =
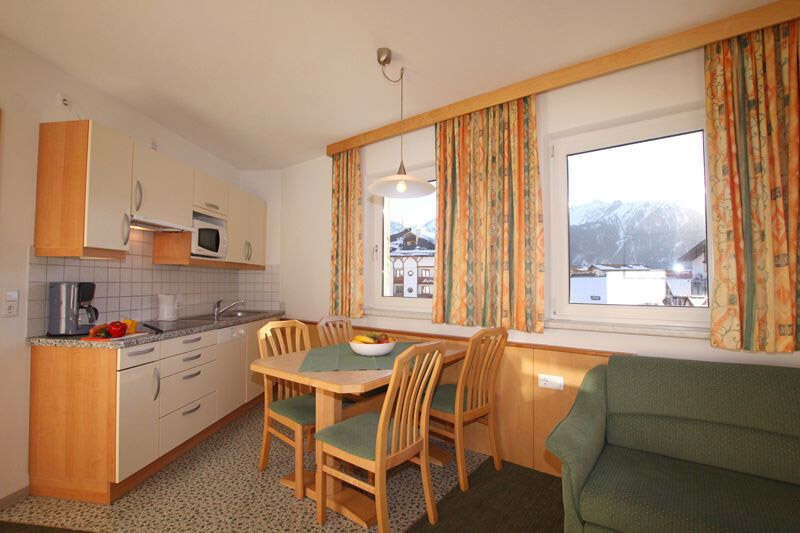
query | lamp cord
(400,79)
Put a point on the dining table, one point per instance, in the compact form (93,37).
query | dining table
(330,387)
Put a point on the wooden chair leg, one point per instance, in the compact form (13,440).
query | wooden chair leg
(381,502)
(299,488)
(266,438)
(463,480)
(320,482)
(492,426)
(427,486)
(310,440)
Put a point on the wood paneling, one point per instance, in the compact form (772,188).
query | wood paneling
(175,248)
(653,50)
(553,405)
(72,422)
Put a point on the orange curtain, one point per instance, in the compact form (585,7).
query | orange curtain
(753,143)
(489,235)
(347,258)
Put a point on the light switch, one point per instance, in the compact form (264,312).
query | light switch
(547,381)
(10,303)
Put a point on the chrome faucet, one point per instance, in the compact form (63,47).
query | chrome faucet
(218,309)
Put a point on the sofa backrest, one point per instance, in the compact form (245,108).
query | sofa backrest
(740,417)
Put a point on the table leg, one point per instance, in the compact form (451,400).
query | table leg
(351,503)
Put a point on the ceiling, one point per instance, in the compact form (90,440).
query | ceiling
(268,83)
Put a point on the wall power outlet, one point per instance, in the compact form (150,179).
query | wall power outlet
(10,302)
(547,381)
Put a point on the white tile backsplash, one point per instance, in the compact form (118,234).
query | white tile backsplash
(129,288)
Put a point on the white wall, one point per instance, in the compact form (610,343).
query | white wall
(643,92)
(306,239)
(28,97)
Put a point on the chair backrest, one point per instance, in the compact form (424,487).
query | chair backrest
(403,422)
(284,336)
(477,378)
(335,330)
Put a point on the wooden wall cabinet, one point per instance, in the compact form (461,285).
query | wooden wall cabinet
(162,188)
(210,195)
(83,192)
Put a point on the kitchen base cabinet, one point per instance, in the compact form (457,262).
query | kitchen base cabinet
(230,355)
(184,423)
(103,420)
(138,391)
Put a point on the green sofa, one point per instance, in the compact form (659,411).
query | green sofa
(656,444)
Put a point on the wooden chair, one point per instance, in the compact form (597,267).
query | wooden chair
(475,387)
(377,442)
(287,403)
(334,330)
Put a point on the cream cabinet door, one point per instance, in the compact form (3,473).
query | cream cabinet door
(138,391)
(258,230)
(108,189)
(163,188)
(238,225)
(254,382)
(210,194)
(230,389)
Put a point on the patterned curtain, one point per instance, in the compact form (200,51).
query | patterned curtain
(490,238)
(752,117)
(347,258)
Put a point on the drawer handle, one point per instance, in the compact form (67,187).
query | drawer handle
(142,352)
(212,206)
(192,357)
(192,410)
(192,340)
(192,375)
(157,378)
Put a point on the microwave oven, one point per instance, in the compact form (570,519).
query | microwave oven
(209,236)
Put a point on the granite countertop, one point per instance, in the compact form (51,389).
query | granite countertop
(193,325)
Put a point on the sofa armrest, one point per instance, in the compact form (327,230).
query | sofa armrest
(578,440)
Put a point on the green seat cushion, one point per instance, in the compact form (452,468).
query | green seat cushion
(355,435)
(444,398)
(632,490)
(300,409)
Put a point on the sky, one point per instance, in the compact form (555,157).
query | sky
(669,169)
(411,212)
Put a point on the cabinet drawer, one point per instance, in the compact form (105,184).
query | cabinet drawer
(185,361)
(138,355)
(187,343)
(186,422)
(184,387)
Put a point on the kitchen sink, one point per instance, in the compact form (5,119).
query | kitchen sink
(228,314)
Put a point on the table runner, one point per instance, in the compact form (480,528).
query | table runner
(342,357)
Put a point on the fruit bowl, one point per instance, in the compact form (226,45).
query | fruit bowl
(372,350)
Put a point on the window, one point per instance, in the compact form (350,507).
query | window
(628,224)
(409,237)
(400,263)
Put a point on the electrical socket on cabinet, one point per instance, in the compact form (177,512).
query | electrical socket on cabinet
(547,381)
(10,303)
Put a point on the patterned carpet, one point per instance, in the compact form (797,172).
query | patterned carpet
(217,487)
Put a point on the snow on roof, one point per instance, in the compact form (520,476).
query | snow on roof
(680,286)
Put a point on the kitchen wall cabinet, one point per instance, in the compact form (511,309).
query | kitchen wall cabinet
(83,192)
(210,195)
(138,392)
(246,228)
(162,188)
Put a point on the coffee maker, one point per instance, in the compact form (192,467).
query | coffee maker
(70,310)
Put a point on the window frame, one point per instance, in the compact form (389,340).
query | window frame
(559,310)
(375,303)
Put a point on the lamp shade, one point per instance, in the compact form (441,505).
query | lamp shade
(401,185)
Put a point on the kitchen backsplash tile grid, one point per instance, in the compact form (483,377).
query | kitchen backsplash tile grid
(128,289)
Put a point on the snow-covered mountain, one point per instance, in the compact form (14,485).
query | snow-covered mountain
(654,234)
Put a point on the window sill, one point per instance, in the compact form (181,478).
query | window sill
(397,313)
(660,330)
